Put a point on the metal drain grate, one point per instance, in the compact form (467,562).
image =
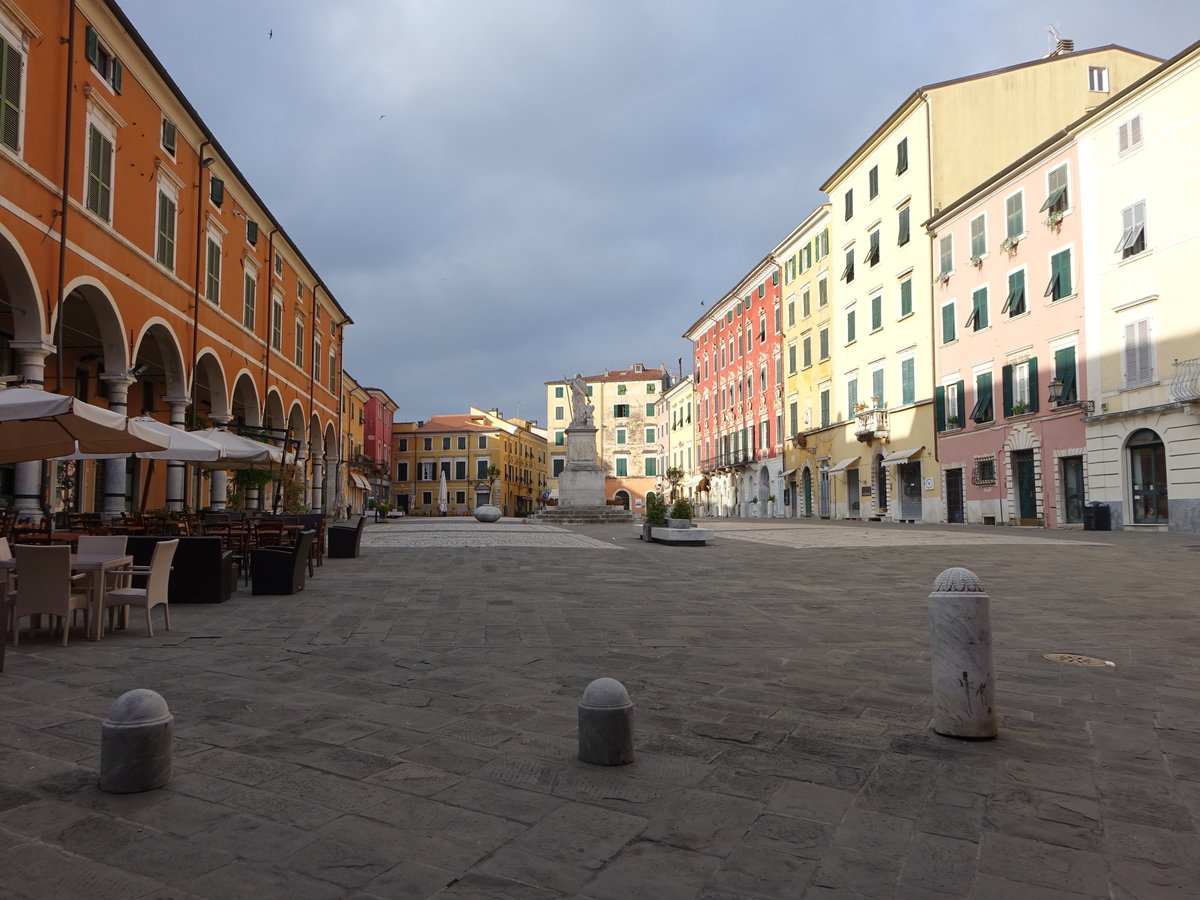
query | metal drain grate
(1076,659)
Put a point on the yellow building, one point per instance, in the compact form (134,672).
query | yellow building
(803,257)
(483,457)
(626,429)
(945,138)
(354,401)
(676,421)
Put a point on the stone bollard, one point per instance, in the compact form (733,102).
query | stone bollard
(960,631)
(606,724)
(135,743)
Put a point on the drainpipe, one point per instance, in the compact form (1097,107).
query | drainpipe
(66,204)
(312,400)
(932,312)
(196,279)
(270,311)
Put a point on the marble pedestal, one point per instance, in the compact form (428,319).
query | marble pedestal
(581,482)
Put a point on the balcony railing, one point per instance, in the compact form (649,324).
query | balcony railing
(872,425)
(1185,384)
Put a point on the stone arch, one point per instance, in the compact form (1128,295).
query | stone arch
(243,401)
(334,495)
(21,312)
(1022,437)
(273,410)
(764,489)
(210,388)
(93,340)
(158,360)
(622,495)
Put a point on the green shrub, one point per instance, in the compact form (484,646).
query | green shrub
(656,510)
(682,509)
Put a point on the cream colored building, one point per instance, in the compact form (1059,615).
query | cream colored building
(1137,158)
(677,437)
(944,139)
(625,417)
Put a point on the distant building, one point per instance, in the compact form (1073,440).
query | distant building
(378,416)
(358,488)
(677,438)
(466,449)
(626,429)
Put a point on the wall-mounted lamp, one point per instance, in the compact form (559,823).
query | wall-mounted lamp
(139,370)
(207,161)
(1055,388)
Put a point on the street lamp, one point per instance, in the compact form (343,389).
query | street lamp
(1087,407)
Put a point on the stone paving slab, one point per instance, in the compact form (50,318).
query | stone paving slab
(405,726)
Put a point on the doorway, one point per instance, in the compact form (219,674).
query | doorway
(1073,495)
(1148,478)
(881,486)
(808,494)
(823,494)
(853,495)
(1026,483)
(909,474)
(955,500)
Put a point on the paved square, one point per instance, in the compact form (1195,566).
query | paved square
(405,727)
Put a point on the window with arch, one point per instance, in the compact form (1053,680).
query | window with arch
(1148,477)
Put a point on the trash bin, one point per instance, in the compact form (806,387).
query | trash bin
(1097,517)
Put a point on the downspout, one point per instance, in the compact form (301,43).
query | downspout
(932,311)
(312,352)
(275,494)
(66,204)
(196,279)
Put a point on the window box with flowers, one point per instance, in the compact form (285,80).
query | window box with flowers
(1009,245)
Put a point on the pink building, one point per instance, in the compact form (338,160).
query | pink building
(1009,345)
(378,414)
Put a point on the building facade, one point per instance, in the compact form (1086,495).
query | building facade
(182,296)
(379,414)
(739,367)
(677,440)
(627,440)
(358,489)
(483,457)
(1009,328)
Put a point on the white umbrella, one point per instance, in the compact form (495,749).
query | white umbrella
(443,493)
(241,452)
(38,425)
(182,446)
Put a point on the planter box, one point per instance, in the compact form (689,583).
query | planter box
(679,523)
(657,534)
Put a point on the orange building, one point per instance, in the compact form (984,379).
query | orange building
(182,296)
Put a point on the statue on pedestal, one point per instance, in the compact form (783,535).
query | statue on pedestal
(581,410)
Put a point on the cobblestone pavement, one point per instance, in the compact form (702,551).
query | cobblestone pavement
(405,727)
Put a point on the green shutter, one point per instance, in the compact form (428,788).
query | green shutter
(651,465)
(908,380)
(961,410)
(948,333)
(876,312)
(1064,371)
(906,297)
(1033,385)
(1006,377)
(91,43)
(877,388)
(169,135)
(216,191)
(252,231)
(939,408)
(117,72)
(10,95)
(850,327)
(851,396)
(982,410)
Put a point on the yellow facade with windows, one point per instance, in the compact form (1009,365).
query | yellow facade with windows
(941,141)
(354,401)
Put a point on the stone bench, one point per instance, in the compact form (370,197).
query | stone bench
(661,534)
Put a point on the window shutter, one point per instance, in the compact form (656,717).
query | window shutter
(1007,379)
(1135,131)
(877,386)
(1033,385)
(117,72)
(169,132)
(850,326)
(93,187)
(939,408)
(10,105)
(908,381)
(216,191)
(252,231)
(948,323)
(982,410)
(92,46)
(1064,371)
(961,407)
(1123,138)
(851,396)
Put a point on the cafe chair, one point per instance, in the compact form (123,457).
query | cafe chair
(157,588)
(280,570)
(46,587)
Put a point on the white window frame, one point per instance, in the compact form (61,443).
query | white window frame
(1020,194)
(249,273)
(108,131)
(1129,135)
(1133,226)
(1020,384)
(168,190)
(276,321)
(1146,361)
(983,230)
(1098,79)
(278,264)
(298,332)
(950,395)
(213,238)
(946,255)
(16,38)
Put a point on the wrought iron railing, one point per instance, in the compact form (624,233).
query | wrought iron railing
(1185,384)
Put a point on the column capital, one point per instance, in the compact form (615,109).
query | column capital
(40,349)
(177,401)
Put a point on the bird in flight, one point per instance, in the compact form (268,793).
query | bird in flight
(384,116)
(270,34)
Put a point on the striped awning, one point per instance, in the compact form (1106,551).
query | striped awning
(360,481)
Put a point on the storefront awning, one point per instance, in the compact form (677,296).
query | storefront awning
(788,472)
(897,457)
(359,481)
(843,465)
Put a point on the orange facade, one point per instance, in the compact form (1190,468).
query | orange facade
(184,298)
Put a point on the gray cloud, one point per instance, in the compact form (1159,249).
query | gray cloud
(557,184)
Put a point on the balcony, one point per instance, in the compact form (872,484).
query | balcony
(1185,384)
(872,425)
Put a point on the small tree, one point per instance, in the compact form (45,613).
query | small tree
(682,509)
(656,510)
(675,477)
(493,473)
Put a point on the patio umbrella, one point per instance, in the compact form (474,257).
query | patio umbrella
(443,494)
(182,446)
(37,425)
(241,452)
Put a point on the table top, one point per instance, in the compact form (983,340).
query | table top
(84,561)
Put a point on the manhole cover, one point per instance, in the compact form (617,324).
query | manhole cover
(1075,659)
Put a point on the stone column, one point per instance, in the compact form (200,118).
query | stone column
(176,470)
(220,477)
(27,476)
(114,469)
(317,500)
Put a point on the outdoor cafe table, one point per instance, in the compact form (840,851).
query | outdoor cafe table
(98,564)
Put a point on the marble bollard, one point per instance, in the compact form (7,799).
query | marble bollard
(960,634)
(606,724)
(135,743)
(487,513)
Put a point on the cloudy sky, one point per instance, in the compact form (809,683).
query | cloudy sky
(504,192)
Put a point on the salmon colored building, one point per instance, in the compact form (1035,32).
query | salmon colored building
(140,270)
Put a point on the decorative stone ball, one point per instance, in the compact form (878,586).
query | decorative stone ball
(487,513)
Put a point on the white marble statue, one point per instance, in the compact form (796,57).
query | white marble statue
(581,410)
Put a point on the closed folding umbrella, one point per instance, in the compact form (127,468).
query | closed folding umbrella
(241,452)
(443,494)
(37,425)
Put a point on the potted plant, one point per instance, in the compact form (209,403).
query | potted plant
(951,421)
(977,261)
(656,514)
(1019,407)
(771,506)
(941,278)
(1009,245)
(1054,220)
(680,515)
